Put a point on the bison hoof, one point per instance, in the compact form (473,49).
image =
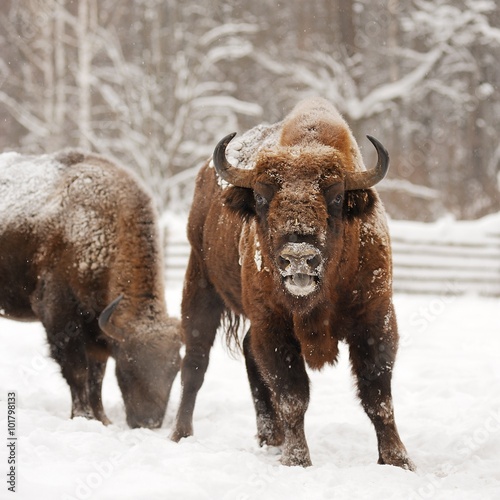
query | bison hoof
(398,460)
(88,414)
(270,440)
(269,433)
(104,420)
(180,433)
(148,423)
(293,461)
(296,457)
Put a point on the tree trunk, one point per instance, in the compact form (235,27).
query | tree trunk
(84,73)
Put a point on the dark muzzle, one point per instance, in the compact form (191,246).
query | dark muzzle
(300,265)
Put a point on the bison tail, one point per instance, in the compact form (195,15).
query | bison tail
(234,326)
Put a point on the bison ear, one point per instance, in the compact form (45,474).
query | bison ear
(358,202)
(241,200)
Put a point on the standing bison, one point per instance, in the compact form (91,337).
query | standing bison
(79,251)
(294,238)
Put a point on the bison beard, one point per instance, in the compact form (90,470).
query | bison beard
(297,244)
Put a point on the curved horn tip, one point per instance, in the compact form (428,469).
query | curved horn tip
(228,138)
(383,157)
(368,178)
(232,175)
(222,144)
(104,323)
(219,155)
(378,146)
(113,305)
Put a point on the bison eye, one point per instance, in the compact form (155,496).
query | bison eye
(260,200)
(263,194)
(338,200)
(334,196)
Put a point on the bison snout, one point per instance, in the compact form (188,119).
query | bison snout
(300,265)
(299,258)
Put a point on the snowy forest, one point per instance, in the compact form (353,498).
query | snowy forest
(156,84)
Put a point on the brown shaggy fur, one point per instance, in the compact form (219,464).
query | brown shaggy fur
(239,243)
(76,232)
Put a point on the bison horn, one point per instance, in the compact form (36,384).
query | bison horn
(236,176)
(365,180)
(105,324)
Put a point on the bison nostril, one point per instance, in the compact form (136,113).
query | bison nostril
(283,262)
(299,258)
(314,261)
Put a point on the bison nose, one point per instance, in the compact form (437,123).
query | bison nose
(299,258)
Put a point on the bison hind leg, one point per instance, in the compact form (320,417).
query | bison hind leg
(269,425)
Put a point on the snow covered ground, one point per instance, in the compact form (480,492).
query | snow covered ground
(447,399)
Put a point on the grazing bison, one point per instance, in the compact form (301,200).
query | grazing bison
(80,252)
(294,239)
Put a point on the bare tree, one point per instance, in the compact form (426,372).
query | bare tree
(84,86)
(156,83)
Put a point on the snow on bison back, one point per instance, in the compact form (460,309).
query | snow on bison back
(80,252)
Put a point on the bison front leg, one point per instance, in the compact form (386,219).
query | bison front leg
(269,425)
(372,355)
(282,368)
(67,348)
(96,376)
(97,360)
(201,314)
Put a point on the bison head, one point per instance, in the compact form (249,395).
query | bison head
(301,196)
(147,360)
